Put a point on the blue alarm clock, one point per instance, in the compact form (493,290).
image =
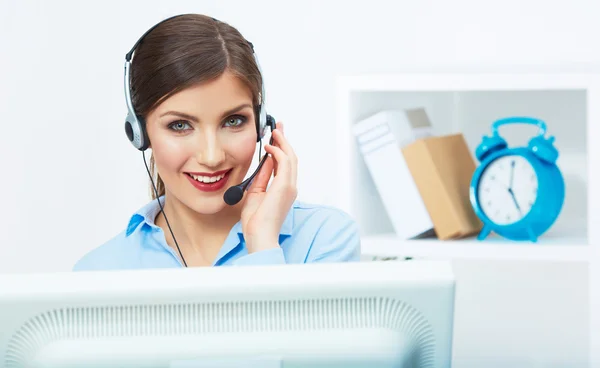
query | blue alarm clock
(518,192)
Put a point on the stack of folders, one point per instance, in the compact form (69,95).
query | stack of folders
(378,140)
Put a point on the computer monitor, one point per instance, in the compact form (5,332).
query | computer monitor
(363,314)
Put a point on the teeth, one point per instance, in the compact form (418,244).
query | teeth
(208,179)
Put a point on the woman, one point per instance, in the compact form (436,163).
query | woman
(196,90)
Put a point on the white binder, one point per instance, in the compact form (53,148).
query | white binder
(382,154)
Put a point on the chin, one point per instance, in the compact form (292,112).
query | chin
(203,200)
(209,202)
(208,205)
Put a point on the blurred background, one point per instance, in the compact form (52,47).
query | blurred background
(71,179)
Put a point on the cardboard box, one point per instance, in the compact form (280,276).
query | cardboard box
(442,168)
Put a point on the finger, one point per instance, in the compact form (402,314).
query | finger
(283,161)
(284,183)
(278,126)
(289,151)
(261,180)
(280,141)
(275,166)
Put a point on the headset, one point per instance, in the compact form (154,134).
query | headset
(135,129)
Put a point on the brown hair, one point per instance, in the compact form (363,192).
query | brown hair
(184,51)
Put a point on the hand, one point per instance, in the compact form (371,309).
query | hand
(264,212)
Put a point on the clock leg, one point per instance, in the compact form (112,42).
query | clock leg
(531,234)
(485,231)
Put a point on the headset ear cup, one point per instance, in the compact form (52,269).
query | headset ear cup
(144,135)
(128,130)
(260,123)
(257,123)
(136,132)
(270,122)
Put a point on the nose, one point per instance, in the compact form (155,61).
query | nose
(210,153)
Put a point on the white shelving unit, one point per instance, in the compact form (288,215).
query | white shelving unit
(558,249)
(468,103)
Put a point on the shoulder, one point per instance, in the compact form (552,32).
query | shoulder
(329,232)
(319,215)
(124,250)
(110,255)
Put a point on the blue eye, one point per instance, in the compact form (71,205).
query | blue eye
(235,121)
(179,125)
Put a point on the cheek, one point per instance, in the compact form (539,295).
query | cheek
(241,147)
(169,154)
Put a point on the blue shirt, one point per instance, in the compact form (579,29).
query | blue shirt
(310,233)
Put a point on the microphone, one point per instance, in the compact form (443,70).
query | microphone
(235,193)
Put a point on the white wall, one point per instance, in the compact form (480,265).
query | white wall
(71,179)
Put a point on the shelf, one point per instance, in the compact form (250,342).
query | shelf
(467,103)
(551,248)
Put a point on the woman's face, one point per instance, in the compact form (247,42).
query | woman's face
(203,140)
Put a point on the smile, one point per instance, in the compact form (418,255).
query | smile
(209,182)
(207,179)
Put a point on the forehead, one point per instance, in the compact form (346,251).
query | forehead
(210,98)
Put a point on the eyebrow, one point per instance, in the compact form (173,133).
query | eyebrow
(195,120)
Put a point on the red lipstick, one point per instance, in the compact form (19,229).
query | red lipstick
(209,187)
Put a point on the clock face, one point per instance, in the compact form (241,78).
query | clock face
(507,189)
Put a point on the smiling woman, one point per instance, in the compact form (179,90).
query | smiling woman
(196,132)
(197,90)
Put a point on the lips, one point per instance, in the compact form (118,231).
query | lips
(209,182)
(207,178)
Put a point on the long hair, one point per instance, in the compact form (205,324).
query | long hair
(185,51)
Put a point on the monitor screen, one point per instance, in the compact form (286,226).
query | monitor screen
(362,314)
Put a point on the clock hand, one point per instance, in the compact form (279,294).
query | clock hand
(512,194)
(512,173)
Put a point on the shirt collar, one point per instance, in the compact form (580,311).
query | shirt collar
(144,216)
(147,214)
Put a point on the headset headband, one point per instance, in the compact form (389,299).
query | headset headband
(137,135)
(262,111)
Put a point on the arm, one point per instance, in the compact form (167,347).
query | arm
(271,256)
(329,235)
(337,240)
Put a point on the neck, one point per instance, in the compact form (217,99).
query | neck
(199,236)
